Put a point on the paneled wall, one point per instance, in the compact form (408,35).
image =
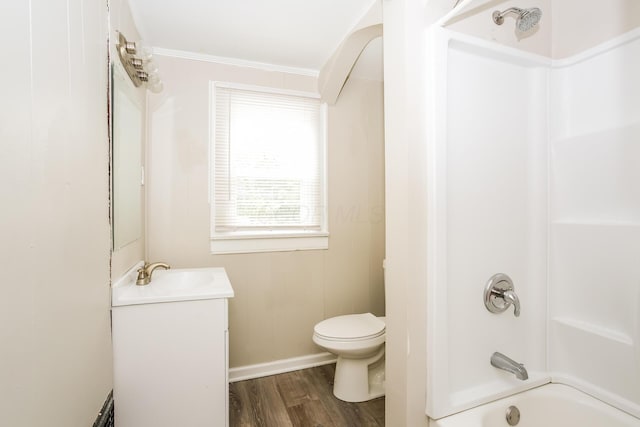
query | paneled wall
(55,354)
(578,25)
(279,296)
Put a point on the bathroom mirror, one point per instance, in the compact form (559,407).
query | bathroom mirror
(126,165)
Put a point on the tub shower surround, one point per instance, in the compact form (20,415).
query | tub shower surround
(536,176)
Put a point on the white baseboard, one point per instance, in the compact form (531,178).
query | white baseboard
(280,366)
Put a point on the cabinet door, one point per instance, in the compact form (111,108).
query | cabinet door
(170,364)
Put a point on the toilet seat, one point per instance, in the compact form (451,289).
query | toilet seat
(351,327)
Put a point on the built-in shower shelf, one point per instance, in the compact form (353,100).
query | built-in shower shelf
(621,133)
(594,329)
(595,223)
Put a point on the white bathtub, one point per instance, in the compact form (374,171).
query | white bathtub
(552,405)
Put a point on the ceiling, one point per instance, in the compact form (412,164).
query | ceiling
(302,34)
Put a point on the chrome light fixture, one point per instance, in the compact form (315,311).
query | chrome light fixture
(140,67)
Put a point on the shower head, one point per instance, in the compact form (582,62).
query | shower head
(526,20)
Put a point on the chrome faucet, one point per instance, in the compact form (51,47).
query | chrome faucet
(144,273)
(501,361)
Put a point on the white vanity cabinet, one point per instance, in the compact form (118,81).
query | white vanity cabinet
(171,354)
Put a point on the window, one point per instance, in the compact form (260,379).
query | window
(268,170)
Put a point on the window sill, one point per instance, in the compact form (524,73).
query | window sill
(240,244)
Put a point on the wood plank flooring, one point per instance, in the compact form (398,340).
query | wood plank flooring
(298,399)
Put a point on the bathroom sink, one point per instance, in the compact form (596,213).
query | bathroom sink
(173,285)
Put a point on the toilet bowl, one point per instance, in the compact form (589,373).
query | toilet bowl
(358,341)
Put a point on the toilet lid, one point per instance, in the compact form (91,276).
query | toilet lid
(351,326)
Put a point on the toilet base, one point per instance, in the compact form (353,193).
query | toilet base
(359,380)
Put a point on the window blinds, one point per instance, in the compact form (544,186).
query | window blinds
(268,162)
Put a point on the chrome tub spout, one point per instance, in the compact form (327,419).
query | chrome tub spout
(501,361)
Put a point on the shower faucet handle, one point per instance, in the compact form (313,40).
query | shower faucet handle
(499,295)
(512,298)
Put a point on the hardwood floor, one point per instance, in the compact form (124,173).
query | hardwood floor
(299,398)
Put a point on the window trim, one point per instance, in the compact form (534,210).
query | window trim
(277,240)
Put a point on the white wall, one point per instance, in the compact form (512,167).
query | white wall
(278,296)
(54,221)
(406,126)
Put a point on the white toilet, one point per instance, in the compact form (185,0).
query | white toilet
(358,341)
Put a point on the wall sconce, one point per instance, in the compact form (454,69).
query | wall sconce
(139,65)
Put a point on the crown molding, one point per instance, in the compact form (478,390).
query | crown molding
(234,62)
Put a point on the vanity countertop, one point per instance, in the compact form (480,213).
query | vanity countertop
(187,284)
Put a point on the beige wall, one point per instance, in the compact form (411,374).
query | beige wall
(580,25)
(477,20)
(120,20)
(278,296)
(567,28)
(54,222)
